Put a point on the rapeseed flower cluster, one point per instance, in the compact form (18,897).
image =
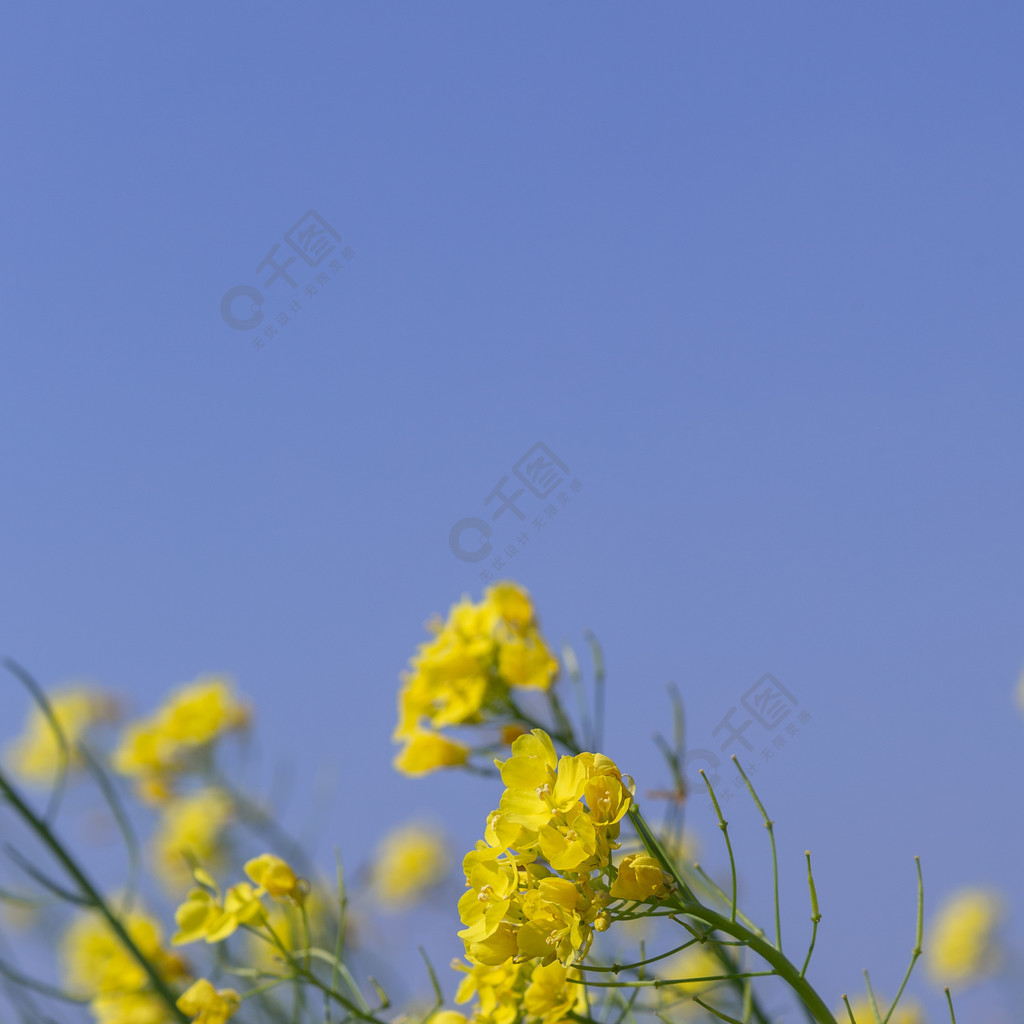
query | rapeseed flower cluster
(546,993)
(207,1005)
(98,966)
(190,831)
(156,750)
(538,883)
(464,675)
(963,947)
(35,755)
(213,916)
(407,863)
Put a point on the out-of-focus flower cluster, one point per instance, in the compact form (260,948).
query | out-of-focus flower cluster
(36,755)
(962,946)
(408,862)
(99,967)
(464,675)
(158,750)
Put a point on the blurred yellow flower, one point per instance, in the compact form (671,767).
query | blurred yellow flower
(908,1011)
(241,906)
(207,1004)
(407,862)
(35,754)
(195,916)
(153,749)
(131,1008)
(960,946)
(190,831)
(426,751)
(96,962)
(698,961)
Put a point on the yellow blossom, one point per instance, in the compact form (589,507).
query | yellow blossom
(408,861)
(426,751)
(195,916)
(193,716)
(639,877)
(208,1005)
(552,995)
(131,1008)
(961,947)
(190,831)
(96,962)
(465,671)
(275,876)
(35,755)
(498,989)
(241,906)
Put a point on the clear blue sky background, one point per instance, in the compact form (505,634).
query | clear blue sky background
(753,272)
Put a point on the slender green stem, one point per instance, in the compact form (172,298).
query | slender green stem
(916,951)
(724,826)
(721,894)
(770,825)
(599,687)
(654,847)
(717,1013)
(949,1001)
(63,749)
(90,891)
(815,913)
(769,953)
(618,968)
(871,998)
(669,982)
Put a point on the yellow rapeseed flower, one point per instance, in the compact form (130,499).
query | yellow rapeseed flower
(208,1005)
(195,916)
(131,1008)
(96,963)
(639,877)
(275,876)
(426,751)
(408,862)
(464,673)
(552,995)
(190,831)
(241,906)
(960,946)
(35,754)
(154,749)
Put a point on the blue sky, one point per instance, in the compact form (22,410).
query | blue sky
(753,275)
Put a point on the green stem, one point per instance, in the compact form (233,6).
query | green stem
(764,949)
(92,893)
